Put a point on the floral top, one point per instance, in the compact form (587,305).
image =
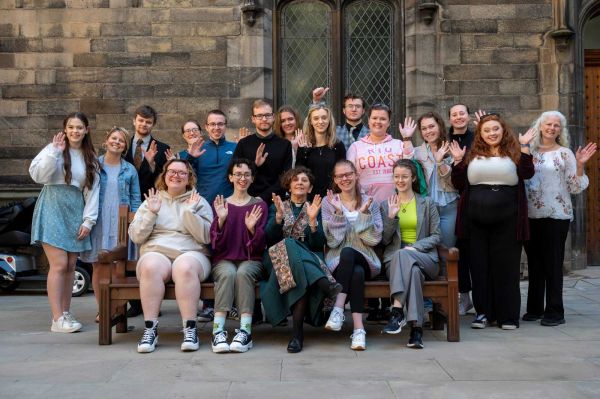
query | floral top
(549,190)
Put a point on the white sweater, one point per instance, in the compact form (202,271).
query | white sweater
(47,168)
(176,229)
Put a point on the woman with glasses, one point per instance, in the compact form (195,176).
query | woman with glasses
(353,226)
(172,227)
(288,125)
(375,154)
(492,212)
(558,174)
(319,148)
(238,242)
(119,184)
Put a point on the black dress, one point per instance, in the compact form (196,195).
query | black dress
(321,160)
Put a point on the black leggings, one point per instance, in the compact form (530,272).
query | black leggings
(351,273)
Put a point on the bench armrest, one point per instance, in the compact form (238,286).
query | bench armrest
(115,254)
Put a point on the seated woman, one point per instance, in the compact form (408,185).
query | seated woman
(352,225)
(411,233)
(238,242)
(294,229)
(173,228)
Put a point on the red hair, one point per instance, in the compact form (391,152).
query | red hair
(508,147)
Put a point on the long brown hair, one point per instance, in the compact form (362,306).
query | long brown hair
(277,124)
(87,148)
(508,147)
(441,126)
(357,192)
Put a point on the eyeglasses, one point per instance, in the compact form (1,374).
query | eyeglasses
(263,116)
(343,176)
(179,173)
(213,125)
(353,106)
(239,176)
(192,130)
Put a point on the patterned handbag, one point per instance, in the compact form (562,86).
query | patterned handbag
(281,266)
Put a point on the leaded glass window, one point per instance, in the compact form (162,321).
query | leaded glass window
(305,43)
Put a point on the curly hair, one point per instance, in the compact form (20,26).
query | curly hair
(288,177)
(508,147)
(563,137)
(161,184)
(309,130)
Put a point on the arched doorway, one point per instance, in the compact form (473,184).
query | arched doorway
(591,49)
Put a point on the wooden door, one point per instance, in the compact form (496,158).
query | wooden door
(592,127)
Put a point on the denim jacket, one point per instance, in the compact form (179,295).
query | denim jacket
(129,185)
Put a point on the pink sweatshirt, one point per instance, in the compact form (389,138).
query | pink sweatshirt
(375,161)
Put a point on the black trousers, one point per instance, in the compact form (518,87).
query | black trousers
(495,253)
(464,272)
(545,255)
(351,273)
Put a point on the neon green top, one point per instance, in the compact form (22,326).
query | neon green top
(407,221)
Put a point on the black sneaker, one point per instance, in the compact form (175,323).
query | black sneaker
(552,322)
(207,314)
(190,337)
(531,317)
(241,342)
(219,342)
(416,338)
(480,322)
(373,317)
(149,339)
(396,322)
(135,308)
(233,314)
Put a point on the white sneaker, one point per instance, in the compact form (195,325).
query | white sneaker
(464,303)
(359,341)
(65,324)
(336,320)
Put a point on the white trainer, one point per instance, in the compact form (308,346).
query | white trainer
(336,320)
(359,340)
(464,303)
(65,324)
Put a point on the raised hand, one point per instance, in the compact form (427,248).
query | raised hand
(58,141)
(153,201)
(243,132)
(457,153)
(194,149)
(409,127)
(335,201)
(302,140)
(261,155)
(442,151)
(278,208)
(252,218)
(527,137)
(221,209)
(83,232)
(478,115)
(366,208)
(295,139)
(319,93)
(194,198)
(393,206)
(312,209)
(584,154)
(169,154)
(151,152)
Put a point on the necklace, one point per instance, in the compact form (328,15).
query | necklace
(403,208)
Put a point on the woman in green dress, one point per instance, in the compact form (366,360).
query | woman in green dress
(298,282)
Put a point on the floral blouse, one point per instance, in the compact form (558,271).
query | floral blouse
(549,190)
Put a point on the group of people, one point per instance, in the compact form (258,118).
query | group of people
(310,210)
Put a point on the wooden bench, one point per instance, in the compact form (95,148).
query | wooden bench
(116,288)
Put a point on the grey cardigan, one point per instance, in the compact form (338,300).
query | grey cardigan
(428,229)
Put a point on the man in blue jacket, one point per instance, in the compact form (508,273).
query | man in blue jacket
(210,158)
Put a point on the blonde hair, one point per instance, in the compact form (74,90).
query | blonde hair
(309,130)
(125,134)
(160,180)
(563,137)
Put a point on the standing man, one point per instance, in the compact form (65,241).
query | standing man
(148,156)
(354,110)
(271,153)
(211,158)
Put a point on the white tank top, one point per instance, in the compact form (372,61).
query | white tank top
(493,171)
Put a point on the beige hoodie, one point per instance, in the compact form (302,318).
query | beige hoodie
(176,229)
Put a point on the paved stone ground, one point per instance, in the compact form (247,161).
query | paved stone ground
(531,362)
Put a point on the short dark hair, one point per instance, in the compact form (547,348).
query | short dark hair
(352,96)
(241,161)
(195,122)
(146,111)
(456,105)
(380,107)
(215,112)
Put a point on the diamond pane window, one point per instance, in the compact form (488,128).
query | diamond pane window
(368,51)
(305,43)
